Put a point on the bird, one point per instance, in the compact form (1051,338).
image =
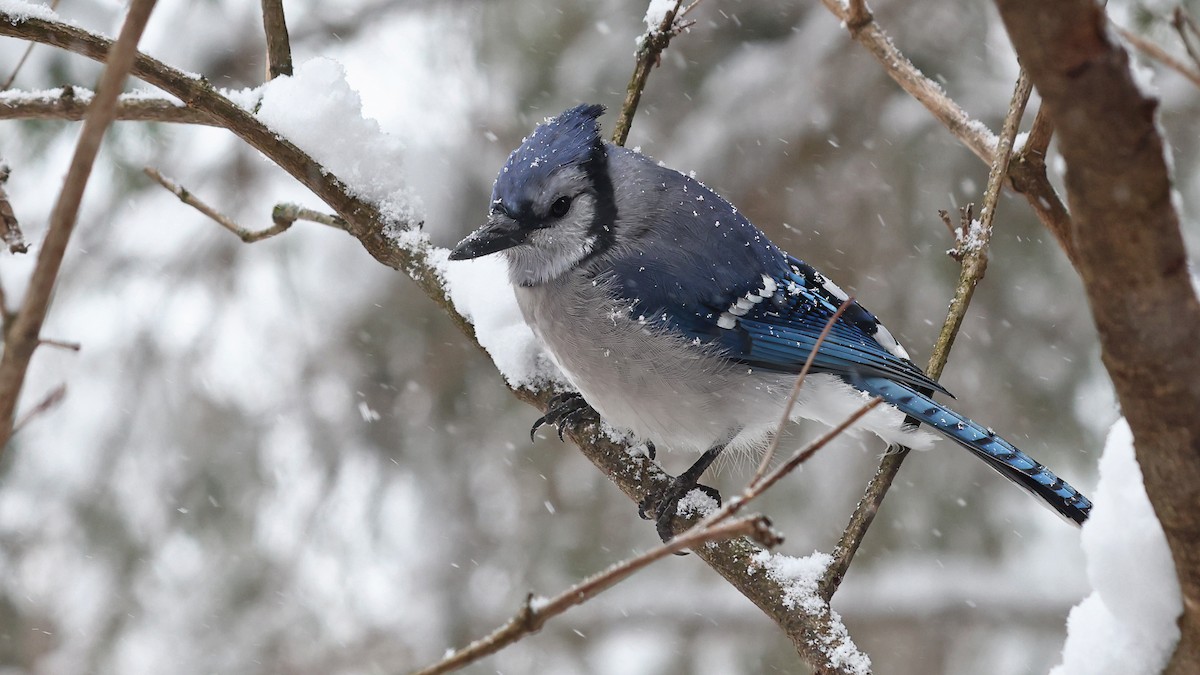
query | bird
(676,318)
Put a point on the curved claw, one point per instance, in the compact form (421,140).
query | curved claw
(563,410)
(662,505)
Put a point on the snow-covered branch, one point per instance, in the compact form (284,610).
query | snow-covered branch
(392,236)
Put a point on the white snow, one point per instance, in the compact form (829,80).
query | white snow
(696,503)
(1127,625)
(799,578)
(481,292)
(657,11)
(318,111)
(18,10)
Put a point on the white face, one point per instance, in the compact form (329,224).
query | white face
(550,251)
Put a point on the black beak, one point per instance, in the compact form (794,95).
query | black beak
(499,234)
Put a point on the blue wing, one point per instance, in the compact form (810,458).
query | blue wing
(718,279)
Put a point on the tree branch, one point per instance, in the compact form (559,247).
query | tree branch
(633,475)
(71,103)
(10,229)
(283,215)
(279,50)
(1158,53)
(535,612)
(22,336)
(1131,258)
(1028,177)
(650,48)
(973,266)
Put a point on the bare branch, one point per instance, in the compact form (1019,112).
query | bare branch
(24,57)
(10,230)
(290,213)
(632,474)
(1039,137)
(1028,177)
(1132,260)
(279,50)
(535,612)
(71,103)
(22,336)
(650,48)
(52,399)
(765,463)
(972,133)
(1158,53)
(283,215)
(974,264)
(858,16)
(61,344)
(1188,31)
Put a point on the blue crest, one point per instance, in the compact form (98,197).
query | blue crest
(571,138)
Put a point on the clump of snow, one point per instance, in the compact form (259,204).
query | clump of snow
(1127,625)
(246,98)
(481,292)
(799,578)
(318,111)
(657,11)
(696,503)
(971,239)
(18,11)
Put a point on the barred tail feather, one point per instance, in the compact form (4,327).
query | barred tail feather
(997,452)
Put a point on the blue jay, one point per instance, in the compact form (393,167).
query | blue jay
(678,319)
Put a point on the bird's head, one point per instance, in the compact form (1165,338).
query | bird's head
(552,203)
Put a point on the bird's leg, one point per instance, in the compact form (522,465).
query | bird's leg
(563,410)
(662,504)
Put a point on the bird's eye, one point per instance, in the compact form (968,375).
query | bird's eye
(560,207)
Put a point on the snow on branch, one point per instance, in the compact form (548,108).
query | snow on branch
(377,214)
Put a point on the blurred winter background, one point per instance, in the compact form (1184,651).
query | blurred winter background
(281,457)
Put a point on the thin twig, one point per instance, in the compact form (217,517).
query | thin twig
(534,612)
(22,336)
(10,230)
(800,456)
(715,526)
(1039,137)
(858,16)
(1183,22)
(650,49)
(61,344)
(1029,179)
(279,50)
(632,475)
(1157,53)
(21,63)
(71,103)
(285,214)
(52,399)
(791,402)
(248,236)
(974,264)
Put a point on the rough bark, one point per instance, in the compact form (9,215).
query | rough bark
(1131,258)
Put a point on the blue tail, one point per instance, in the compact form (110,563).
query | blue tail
(997,452)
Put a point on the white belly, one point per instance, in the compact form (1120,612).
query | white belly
(681,396)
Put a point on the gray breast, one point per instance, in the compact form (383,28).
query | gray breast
(637,376)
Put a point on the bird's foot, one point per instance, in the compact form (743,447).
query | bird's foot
(563,410)
(662,505)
